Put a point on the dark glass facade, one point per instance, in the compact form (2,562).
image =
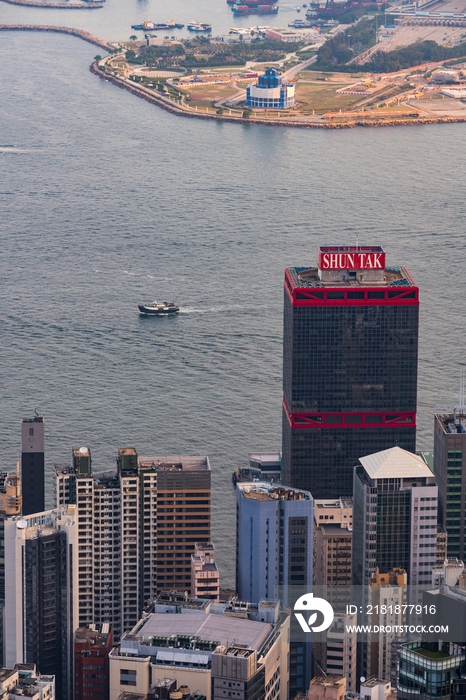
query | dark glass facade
(450,475)
(46,608)
(32,484)
(349,380)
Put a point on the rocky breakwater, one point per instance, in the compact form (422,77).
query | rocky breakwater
(81,33)
(57,5)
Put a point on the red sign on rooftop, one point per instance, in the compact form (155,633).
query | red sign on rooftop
(351,258)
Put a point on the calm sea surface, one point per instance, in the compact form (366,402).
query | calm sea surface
(106,200)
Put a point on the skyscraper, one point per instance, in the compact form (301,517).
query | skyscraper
(274,528)
(40,600)
(450,475)
(350,349)
(394,517)
(32,464)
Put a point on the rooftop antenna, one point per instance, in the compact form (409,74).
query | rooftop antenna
(461,408)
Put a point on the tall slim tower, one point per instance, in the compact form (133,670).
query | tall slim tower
(350,348)
(32,464)
(450,475)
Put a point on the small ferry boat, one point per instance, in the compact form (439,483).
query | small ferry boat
(158,308)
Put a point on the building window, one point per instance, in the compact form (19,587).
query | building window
(127,676)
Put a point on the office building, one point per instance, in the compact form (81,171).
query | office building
(333,537)
(182,517)
(388,593)
(430,672)
(270,92)
(221,651)
(137,529)
(23,681)
(40,600)
(450,475)
(350,347)
(394,517)
(336,653)
(32,464)
(274,527)
(92,645)
(273,540)
(205,577)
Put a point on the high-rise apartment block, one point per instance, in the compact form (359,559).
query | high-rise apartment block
(40,593)
(450,475)
(32,464)
(350,348)
(394,517)
(137,529)
(273,540)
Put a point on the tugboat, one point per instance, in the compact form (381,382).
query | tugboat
(158,308)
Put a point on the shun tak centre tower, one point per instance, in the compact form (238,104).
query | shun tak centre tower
(350,351)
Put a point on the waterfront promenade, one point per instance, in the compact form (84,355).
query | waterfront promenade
(295,119)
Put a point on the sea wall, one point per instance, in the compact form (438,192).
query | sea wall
(349,124)
(80,33)
(57,5)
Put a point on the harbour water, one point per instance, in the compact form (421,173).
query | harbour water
(107,201)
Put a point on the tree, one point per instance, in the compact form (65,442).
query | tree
(133,37)
(247,113)
(97,58)
(219,110)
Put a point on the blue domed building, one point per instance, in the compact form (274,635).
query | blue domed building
(271,92)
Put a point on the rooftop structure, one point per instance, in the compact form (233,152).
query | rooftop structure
(212,650)
(326,688)
(23,681)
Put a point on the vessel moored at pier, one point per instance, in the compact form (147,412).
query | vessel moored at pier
(153,27)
